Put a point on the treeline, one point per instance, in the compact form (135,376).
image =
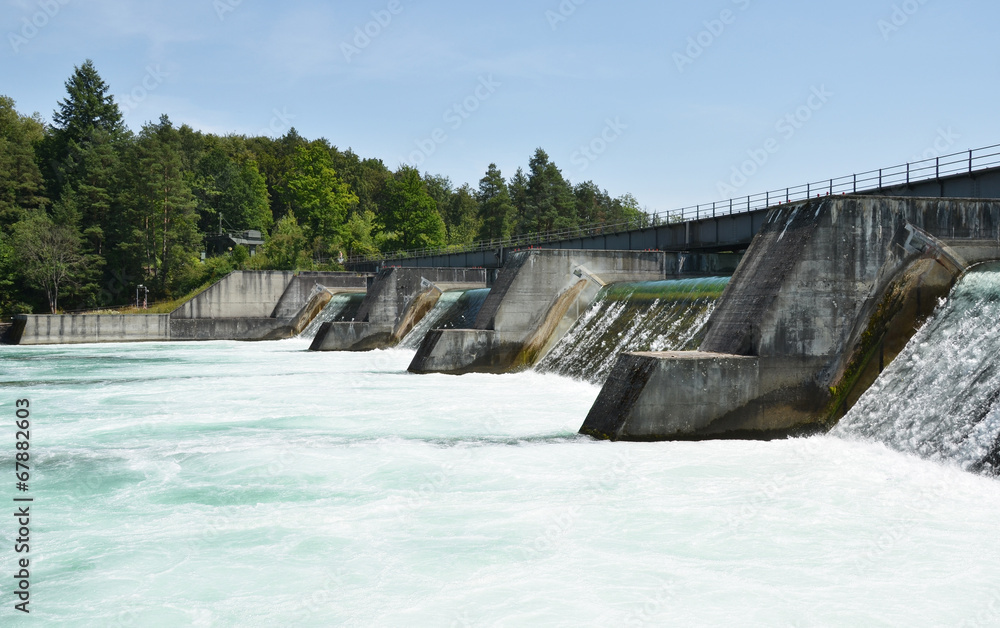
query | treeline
(89,210)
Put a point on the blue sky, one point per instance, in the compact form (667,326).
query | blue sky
(666,97)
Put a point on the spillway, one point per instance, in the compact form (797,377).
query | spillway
(939,398)
(645,316)
(455,309)
(342,307)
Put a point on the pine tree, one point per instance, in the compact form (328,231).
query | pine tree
(169,225)
(21,185)
(496,211)
(550,202)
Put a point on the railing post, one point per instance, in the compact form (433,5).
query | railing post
(808,190)
(880,178)
(970,161)
(937,168)
(713,209)
(767,199)
(855,184)
(787,196)
(907,173)
(730,207)
(748,203)
(831,187)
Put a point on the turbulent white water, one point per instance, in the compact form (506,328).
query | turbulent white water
(332,312)
(259,484)
(940,398)
(647,316)
(442,310)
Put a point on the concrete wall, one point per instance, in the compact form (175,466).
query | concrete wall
(534,301)
(250,294)
(33,329)
(821,288)
(397,300)
(230,329)
(302,287)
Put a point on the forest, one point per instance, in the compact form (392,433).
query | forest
(90,210)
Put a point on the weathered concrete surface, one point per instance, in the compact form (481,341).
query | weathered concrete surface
(304,284)
(536,298)
(49,329)
(242,306)
(827,293)
(240,294)
(397,300)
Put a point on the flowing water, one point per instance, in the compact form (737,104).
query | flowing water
(647,316)
(455,309)
(260,484)
(342,307)
(940,398)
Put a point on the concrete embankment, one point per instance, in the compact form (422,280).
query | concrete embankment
(536,298)
(46,329)
(244,305)
(397,300)
(828,293)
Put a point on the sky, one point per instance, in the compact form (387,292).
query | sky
(674,102)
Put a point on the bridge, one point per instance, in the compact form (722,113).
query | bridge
(720,226)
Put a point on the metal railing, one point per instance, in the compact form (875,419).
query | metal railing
(965,162)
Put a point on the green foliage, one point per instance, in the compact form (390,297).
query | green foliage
(411,216)
(234,191)
(51,255)
(167,207)
(21,184)
(287,248)
(462,216)
(496,210)
(102,210)
(319,197)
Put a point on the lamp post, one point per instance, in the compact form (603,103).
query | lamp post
(145,296)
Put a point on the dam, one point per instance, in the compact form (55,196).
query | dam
(829,292)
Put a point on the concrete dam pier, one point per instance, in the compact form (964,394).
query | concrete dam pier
(536,298)
(829,292)
(243,305)
(397,300)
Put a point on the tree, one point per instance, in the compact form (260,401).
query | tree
(496,211)
(462,216)
(287,247)
(21,184)
(319,197)
(169,221)
(88,106)
(235,191)
(550,202)
(51,255)
(518,188)
(411,216)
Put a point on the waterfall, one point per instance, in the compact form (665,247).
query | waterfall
(456,309)
(647,316)
(342,307)
(939,398)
